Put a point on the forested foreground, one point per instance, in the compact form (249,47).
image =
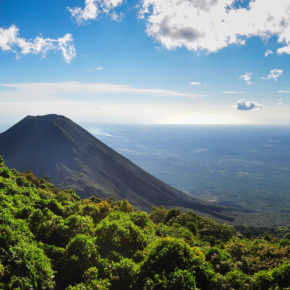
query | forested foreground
(50,239)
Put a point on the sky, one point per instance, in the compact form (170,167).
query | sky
(146,61)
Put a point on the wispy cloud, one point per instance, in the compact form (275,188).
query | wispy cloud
(274,74)
(99,68)
(283,92)
(244,105)
(11,41)
(99,132)
(194,83)
(68,88)
(93,8)
(268,52)
(280,102)
(233,92)
(247,77)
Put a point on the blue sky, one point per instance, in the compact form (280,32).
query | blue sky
(147,61)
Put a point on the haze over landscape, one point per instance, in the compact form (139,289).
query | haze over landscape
(245,167)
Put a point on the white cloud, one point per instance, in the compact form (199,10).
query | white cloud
(99,68)
(90,11)
(283,92)
(62,90)
(274,74)
(247,78)
(285,49)
(268,52)
(233,92)
(93,8)
(11,41)
(244,105)
(211,25)
(194,83)
(280,102)
(99,132)
(117,16)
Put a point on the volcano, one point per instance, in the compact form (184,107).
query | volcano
(56,147)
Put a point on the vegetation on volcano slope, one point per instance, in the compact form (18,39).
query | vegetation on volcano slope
(50,239)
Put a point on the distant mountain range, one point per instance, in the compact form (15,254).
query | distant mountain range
(56,147)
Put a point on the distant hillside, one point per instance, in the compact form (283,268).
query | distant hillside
(56,147)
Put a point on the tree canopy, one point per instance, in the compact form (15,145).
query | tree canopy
(51,239)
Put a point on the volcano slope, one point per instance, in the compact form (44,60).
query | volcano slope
(56,147)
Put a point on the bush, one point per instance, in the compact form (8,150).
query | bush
(233,280)
(167,255)
(80,254)
(262,280)
(176,231)
(91,281)
(220,260)
(28,267)
(77,224)
(281,275)
(97,211)
(158,214)
(118,233)
(22,182)
(123,274)
(180,279)
(4,172)
(192,227)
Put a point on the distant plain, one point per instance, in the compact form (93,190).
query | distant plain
(245,167)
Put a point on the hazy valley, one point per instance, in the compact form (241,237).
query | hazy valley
(245,167)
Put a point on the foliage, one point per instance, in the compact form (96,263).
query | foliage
(50,239)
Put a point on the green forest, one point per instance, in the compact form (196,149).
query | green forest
(51,239)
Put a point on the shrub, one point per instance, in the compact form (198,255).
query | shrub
(91,281)
(180,279)
(168,255)
(118,233)
(262,280)
(176,231)
(4,172)
(158,214)
(281,275)
(233,280)
(220,260)
(28,267)
(123,274)
(80,255)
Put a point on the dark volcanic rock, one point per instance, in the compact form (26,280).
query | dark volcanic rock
(56,147)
